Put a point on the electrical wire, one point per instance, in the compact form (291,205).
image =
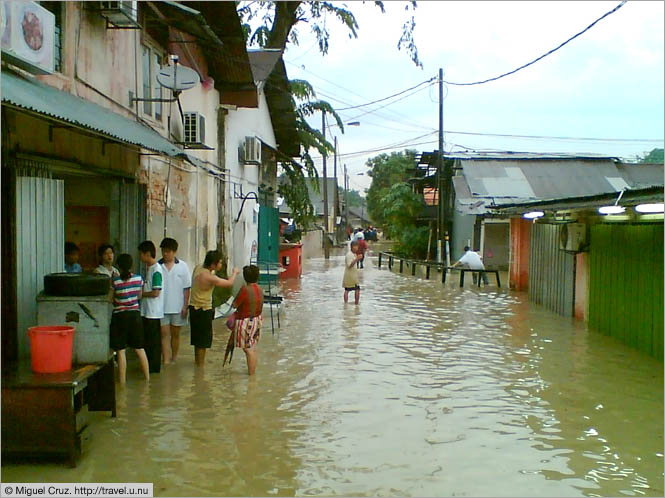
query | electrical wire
(433,79)
(542,56)
(540,137)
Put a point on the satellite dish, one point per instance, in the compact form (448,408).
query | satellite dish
(177,78)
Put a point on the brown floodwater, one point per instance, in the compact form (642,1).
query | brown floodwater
(421,390)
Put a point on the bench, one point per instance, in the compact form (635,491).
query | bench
(480,273)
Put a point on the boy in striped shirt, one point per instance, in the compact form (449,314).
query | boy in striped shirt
(126,329)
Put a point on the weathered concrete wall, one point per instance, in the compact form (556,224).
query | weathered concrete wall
(496,246)
(244,178)
(312,244)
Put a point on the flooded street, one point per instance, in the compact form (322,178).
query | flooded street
(421,390)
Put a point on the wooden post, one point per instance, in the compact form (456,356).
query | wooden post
(413,268)
(427,272)
(380,260)
(401,265)
(390,262)
(443,274)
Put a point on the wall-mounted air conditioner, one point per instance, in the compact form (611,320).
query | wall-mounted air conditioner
(251,150)
(28,36)
(194,128)
(573,237)
(120,14)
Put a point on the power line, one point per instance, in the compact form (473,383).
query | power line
(592,139)
(389,97)
(402,117)
(544,55)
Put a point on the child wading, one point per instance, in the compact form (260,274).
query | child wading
(246,322)
(126,327)
(350,281)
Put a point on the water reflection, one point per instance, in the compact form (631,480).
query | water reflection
(421,390)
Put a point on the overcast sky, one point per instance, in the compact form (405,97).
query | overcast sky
(607,83)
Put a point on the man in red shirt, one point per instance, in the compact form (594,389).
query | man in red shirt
(362,249)
(246,328)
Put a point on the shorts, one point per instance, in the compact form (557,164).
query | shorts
(126,330)
(200,323)
(248,331)
(175,319)
(357,287)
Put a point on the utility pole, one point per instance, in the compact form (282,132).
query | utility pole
(335,194)
(439,170)
(346,202)
(326,249)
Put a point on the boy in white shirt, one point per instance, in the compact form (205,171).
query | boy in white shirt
(177,285)
(152,305)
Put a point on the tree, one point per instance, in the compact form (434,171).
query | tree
(393,204)
(274,25)
(386,170)
(656,156)
(277,23)
(355,199)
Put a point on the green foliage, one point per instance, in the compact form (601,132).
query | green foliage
(355,199)
(386,170)
(293,188)
(274,25)
(393,204)
(656,156)
(412,242)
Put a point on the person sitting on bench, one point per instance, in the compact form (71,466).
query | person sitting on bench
(472,260)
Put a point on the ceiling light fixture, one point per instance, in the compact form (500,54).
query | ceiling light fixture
(611,209)
(649,208)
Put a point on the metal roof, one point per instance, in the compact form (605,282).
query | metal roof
(186,19)
(35,96)
(489,182)
(263,62)
(629,198)
(229,66)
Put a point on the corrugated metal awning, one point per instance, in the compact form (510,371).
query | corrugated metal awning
(35,96)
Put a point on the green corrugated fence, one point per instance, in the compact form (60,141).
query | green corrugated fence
(626,284)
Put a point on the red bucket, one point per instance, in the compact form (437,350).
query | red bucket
(51,348)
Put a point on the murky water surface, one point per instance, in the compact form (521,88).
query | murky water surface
(421,390)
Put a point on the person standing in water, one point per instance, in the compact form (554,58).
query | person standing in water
(247,322)
(177,286)
(350,281)
(201,312)
(126,326)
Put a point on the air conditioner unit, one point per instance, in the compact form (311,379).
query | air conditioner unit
(194,128)
(573,237)
(28,36)
(121,14)
(251,150)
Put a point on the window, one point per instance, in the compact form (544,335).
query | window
(147,94)
(56,9)
(151,63)
(156,86)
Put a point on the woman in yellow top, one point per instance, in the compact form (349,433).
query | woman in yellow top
(201,312)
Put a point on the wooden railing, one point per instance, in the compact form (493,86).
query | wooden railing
(428,265)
